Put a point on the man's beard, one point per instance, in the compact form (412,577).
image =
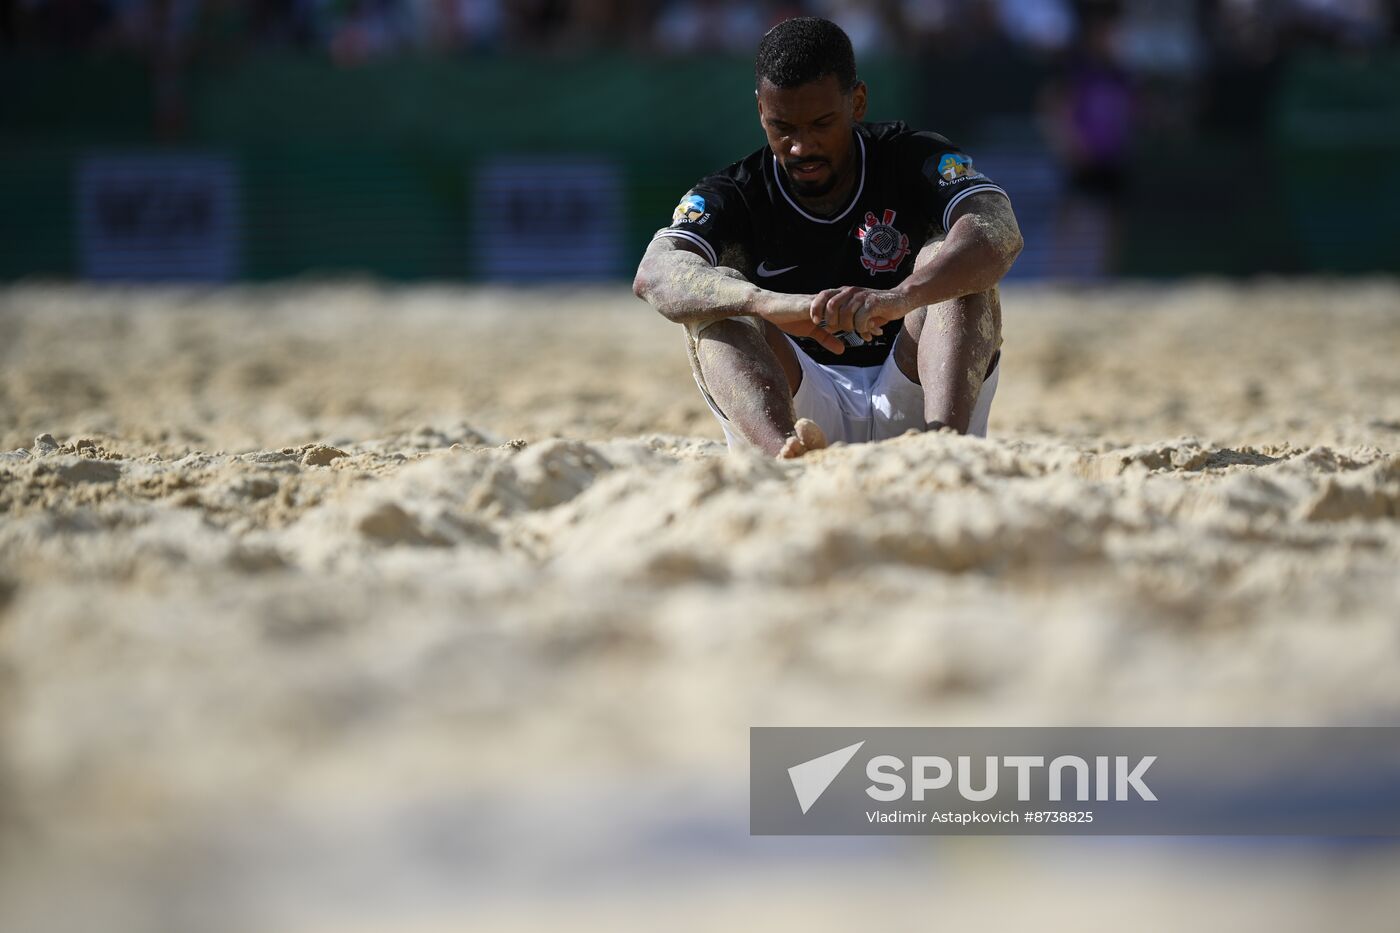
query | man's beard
(808,188)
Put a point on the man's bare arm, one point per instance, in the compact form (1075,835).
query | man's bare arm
(685,289)
(982,243)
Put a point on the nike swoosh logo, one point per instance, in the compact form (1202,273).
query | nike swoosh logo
(766,273)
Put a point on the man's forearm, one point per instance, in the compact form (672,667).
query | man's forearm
(686,289)
(973,257)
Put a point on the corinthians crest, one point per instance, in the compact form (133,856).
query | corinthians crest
(882,247)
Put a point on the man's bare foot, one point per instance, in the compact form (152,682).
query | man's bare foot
(808,437)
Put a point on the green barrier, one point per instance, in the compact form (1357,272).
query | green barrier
(37,220)
(1206,206)
(1337,138)
(371,169)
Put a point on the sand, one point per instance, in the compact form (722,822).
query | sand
(343,607)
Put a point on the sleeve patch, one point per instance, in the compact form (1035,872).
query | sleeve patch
(691,210)
(950,168)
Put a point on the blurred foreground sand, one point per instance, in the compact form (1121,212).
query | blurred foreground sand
(494,667)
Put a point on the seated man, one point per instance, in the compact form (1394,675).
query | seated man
(840,283)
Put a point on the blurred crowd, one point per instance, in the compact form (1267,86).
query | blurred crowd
(1153,36)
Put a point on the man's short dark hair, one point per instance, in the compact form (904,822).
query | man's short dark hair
(805,49)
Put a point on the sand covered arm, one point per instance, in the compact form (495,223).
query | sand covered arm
(982,243)
(684,288)
(679,282)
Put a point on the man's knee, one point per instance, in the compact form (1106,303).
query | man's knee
(712,342)
(761,346)
(734,332)
(914,322)
(977,307)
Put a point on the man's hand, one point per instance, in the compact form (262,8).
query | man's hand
(789,314)
(862,310)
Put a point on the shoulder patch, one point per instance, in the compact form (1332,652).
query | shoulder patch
(691,210)
(949,168)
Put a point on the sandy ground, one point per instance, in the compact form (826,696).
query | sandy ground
(350,608)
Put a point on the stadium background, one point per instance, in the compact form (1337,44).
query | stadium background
(484,140)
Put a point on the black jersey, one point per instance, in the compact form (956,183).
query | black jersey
(746,217)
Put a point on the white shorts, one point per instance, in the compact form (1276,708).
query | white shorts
(856,404)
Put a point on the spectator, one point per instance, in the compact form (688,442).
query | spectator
(865,21)
(361,30)
(1089,120)
(70,24)
(283,22)
(1043,26)
(446,25)
(709,25)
